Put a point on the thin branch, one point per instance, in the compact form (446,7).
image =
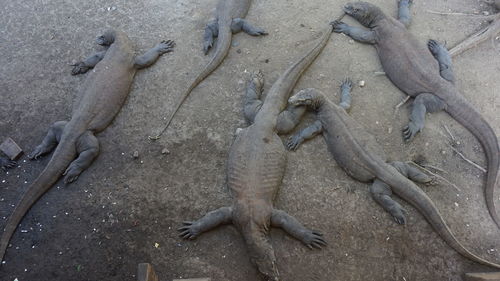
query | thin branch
(455,14)
(434,168)
(435,175)
(468,161)
(453,139)
(396,111)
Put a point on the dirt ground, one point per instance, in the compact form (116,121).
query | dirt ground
(123,211)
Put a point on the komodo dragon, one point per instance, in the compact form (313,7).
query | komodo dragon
(359,154)
(255,169)
(424,73)
(229,16)
(104,93)
(6,163)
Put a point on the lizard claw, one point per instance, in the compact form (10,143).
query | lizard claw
(7,163)
(188,230)
(71,174)
(314,239)
(79,68)
(166,46)
(293,142)
(338,26)
(257,80)
(410,131)
(346,84)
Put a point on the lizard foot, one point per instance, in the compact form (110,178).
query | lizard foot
(7,163)
(36,153)
(398,214)
(207,45)
(339,26)
(294,142)
(313,239)
(189,230)
(410,131)
(346,84)
(434,47)
(71,174)
(165,46)
(79,68)
(258,80)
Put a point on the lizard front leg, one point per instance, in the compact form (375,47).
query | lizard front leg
(443,57)
(6,163)
(152,55)
(305,134)
(356,33)
(88,63)
(404,11)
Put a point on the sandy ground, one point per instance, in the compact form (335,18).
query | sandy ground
(123,211)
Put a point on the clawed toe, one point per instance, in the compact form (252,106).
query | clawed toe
(346,83)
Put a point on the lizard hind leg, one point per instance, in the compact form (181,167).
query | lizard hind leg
(239,24)
(211,32)
(423,103)
(151,56)
(411,172)
(443,57)
(381,193)
(87,146)
(345,99)
(404,11)
(6,163)
(252,103)
(50,141)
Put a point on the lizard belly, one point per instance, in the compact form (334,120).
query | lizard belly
(256,166)
(406,62)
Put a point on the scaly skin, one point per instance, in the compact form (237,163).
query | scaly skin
(228,20)
(422,72)
(255,169)
(358,153)
(105,90)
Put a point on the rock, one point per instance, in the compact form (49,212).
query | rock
(165,151)
(362,83)
(489,276)
(136,154)
(11,149)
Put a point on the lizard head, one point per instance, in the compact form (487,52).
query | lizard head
(367,14)
(309,97)
(107,38)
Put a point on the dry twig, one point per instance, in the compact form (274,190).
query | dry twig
(396,110)
(435,175)
(468,161)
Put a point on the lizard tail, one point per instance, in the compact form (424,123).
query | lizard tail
(63,155)
(261,252)
(221,51)
(470,118)
(411,193)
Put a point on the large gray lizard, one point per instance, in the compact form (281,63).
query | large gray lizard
(255,169)
(358,153)
(228,20)
(105,90)
(423,72)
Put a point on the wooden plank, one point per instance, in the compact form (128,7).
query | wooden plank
(145,272)
(11,149)
(483,276)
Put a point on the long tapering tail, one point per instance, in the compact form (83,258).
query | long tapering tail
(411,193)
(462,111)
(63,155)
(261,251)
(222,49)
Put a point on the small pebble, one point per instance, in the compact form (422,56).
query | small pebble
(362,83)
(486,13)
(238,51)
(165,151)
(136,154)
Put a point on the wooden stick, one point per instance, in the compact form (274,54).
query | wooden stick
(469,161)
(480,36)
(396,110)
